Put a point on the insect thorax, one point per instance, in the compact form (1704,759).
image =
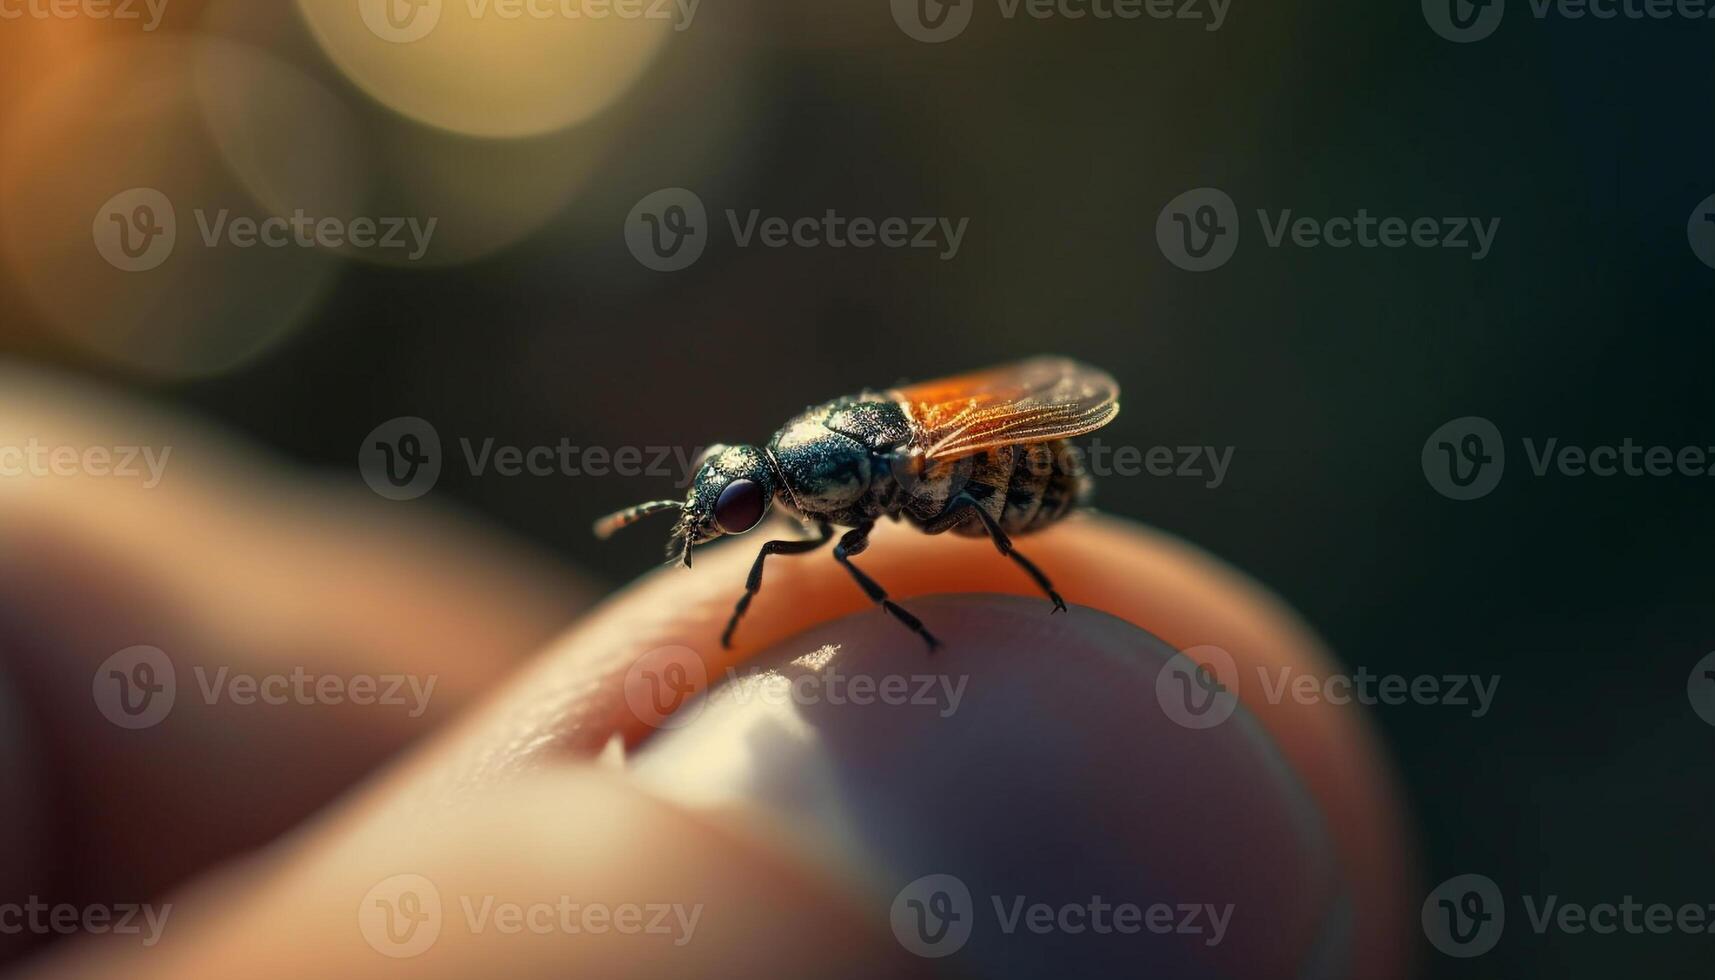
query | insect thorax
(830,457)
(852,460)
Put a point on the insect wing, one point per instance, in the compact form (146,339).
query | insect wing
(1031,401)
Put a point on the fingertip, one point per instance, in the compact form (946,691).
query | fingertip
(596,681)
(1028,758)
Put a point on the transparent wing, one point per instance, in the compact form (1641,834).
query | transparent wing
(1030,401)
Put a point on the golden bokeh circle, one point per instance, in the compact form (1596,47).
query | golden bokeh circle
(123,222)
(494,68)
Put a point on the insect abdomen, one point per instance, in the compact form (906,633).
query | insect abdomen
(1047,481)
(1024,487)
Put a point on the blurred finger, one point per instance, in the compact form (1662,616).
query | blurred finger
(292,637)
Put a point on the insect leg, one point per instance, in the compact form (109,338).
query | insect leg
(753,584)
(955,513)
(854,542)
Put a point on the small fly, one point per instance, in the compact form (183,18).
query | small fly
(983,453)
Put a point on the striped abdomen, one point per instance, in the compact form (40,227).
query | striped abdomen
(1024,488)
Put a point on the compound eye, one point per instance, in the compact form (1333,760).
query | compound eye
(739,507)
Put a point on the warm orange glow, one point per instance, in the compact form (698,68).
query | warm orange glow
(108,181)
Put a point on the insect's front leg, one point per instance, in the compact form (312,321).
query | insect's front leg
(854,542)
(753,583)
(964,504)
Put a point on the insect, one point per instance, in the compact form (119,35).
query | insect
(981,454)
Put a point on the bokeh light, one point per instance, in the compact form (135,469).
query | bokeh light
(495,68)
(314,142)
(123,225)
(292,143)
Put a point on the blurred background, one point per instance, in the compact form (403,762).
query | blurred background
(524,315)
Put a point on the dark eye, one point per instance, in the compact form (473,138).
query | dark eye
(739,506)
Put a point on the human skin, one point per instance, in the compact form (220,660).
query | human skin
(507,796)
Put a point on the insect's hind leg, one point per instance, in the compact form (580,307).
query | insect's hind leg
(753,583)
(964,503)
(854,542)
